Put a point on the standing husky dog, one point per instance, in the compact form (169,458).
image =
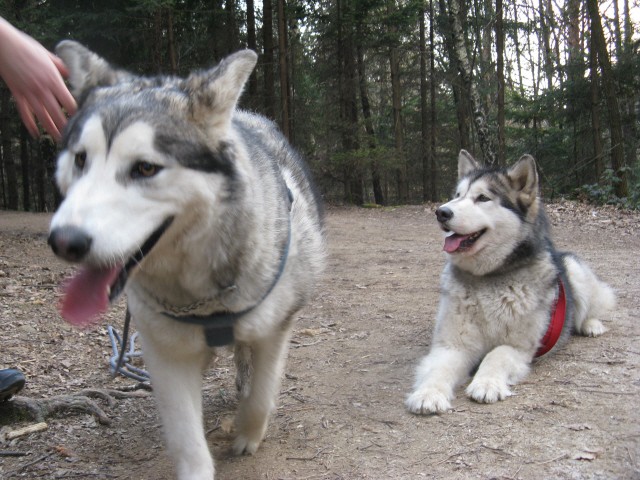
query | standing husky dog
(211,215)
(501,286)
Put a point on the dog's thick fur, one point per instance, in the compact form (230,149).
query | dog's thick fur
(498,288)
(244,234)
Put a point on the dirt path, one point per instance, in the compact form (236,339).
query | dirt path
(341,413)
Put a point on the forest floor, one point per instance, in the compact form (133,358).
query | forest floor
(340,411)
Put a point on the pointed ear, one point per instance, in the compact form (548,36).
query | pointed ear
(87,70)
(213,94)
(466,164)
(523,176)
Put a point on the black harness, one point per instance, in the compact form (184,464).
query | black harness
(218,326)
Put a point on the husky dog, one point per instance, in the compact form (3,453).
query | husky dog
(507,294)
(208,218)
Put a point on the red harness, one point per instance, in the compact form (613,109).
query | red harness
(557,322)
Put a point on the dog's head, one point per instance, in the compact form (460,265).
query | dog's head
(140,154)
(492,213)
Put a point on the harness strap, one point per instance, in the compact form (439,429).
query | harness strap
(558,315)
(218,326)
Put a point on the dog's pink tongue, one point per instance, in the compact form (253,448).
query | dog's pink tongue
(86,296)
(452,242)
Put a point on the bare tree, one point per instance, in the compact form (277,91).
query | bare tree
(500,156)
(283,53)
(598,43)
(464,66)
(267,58)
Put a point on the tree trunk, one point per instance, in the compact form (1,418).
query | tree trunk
(424,114)
(25,170)
(354,191)
(40,173)
(596,130)
(232,32)
(283,64)
(469,88)
(173,60)
(516,42)
(461,100)
(252,88)
(546,44)
(157,40)
(501,154)
(378,194)
(11,175)
(609,87)
(396,101)
(432,107)
(267,64)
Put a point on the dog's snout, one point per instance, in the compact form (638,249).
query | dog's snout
(70,243)
(444,214)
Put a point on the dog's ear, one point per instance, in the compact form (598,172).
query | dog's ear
(466,164)
(523,176)
(213,94)
(87,70)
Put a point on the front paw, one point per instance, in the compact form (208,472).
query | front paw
(425,401)
(488,390)
(592,327)
(243,444)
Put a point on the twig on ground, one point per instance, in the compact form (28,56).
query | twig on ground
(305,459)
(20,432)
(40,409)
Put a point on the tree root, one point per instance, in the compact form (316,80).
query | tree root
(39,409)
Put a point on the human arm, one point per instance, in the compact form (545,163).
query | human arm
(35,77)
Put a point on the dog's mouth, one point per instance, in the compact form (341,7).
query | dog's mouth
(457,243)
(88,294)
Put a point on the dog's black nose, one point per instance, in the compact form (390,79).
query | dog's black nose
(70,243)
(444,214)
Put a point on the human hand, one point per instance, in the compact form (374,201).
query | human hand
(35,77)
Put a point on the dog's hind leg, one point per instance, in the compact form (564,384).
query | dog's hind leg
(176,375)
(268,357)
(592,298)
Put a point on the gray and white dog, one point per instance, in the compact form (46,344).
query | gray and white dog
(506,294)
(205,216)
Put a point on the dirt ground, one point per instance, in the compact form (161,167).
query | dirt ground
(340,413)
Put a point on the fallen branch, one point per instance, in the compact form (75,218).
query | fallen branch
(12,453)
(39,409)
(21,432)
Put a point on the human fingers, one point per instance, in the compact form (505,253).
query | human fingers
(60,89)
(65,98)
(57,61)
(43,115)
(26,115)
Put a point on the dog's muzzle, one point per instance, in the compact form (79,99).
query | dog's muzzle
(70,243)
(94,287)
(444,214)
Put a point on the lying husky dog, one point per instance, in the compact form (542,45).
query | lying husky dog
(206,215)
(507,294)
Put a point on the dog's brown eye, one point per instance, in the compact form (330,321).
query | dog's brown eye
(483,198)
(145,170)
(80,160)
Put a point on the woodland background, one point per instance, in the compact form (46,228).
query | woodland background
(380,95)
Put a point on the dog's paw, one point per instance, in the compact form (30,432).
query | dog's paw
(488,390)
(427,401)
(243,445)
(592,327)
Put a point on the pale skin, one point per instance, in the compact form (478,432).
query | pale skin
(35,77)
